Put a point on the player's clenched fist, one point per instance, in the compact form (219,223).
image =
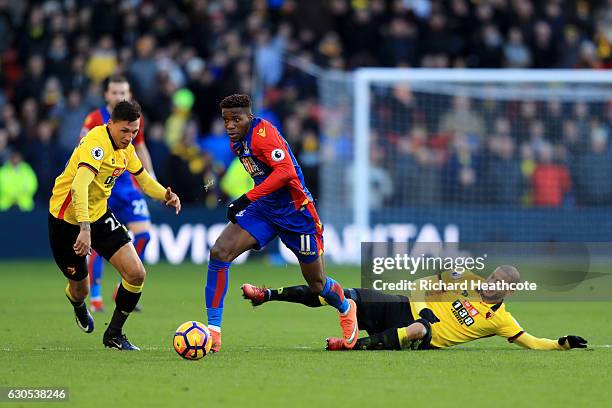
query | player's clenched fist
(236,206)
(173,200)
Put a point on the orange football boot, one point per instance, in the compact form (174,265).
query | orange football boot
(350,328)
(255,294)
(216,340)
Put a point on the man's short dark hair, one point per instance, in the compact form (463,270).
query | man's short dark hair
(236,101)
(126,110)
(115,78)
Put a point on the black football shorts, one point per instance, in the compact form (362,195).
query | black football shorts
(378,311)
(107,236)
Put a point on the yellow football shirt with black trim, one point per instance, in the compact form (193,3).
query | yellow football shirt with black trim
(96,152)
(464,316)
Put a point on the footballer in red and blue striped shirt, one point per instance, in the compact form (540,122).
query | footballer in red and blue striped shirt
(279,205)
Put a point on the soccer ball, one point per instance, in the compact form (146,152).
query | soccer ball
(192,340)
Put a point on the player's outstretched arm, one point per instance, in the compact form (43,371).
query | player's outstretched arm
(145,158)
(528,341)
(156,191)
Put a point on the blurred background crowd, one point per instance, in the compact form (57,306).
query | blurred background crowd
(183,56)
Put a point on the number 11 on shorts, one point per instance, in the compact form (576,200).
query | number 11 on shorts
(305,243)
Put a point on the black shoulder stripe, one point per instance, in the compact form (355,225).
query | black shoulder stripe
(516,336)
(89,166)
(138,172)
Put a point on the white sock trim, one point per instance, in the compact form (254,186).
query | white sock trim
(214,328)
(347,310)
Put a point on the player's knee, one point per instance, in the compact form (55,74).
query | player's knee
(136,275)
(221,252)
(416,331)
(316,285)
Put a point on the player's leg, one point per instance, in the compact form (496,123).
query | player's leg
(61,238)
(130,208)
(416,336)
(293,294)
(233,241)
(142,236)
(95,266)
(333,294)
(132,271)
(110,239)
(302,233)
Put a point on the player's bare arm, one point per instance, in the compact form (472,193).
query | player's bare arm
(145,157)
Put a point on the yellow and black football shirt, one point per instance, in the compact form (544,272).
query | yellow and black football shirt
(464,316)
(98,153)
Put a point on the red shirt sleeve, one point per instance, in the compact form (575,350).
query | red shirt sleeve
(270,148)
(92,120)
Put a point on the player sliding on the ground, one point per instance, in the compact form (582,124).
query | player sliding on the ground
(445,318)
(279,205)
(80,220)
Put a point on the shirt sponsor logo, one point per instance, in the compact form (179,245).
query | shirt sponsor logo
(118,172)
(251,167)
(462,314)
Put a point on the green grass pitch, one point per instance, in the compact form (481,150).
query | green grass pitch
(273,355)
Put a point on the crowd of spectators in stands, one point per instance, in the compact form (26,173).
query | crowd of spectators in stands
(503,153)
(183,56)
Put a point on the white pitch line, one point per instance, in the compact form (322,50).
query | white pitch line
(155,348)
